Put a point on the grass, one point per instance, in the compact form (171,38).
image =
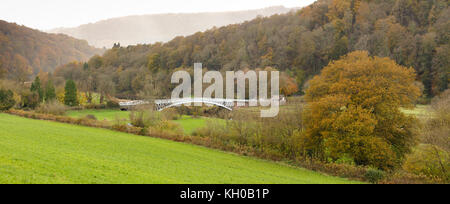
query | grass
(420,111)
(188,123)
(35,151)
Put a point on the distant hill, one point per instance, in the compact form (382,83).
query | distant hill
(24,51)
(146,29)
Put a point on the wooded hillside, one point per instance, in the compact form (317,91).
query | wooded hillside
(24,51)
(145,29)
(414,33)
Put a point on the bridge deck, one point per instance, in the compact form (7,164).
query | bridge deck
(221,102)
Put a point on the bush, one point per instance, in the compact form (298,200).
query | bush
(6,100)
(95,106)
(52,107)
(62,119)
(183,110)
(29,100)
(430,161)
(334,169)
(169,127)
(91,117)
(276,138)
(402,177)
(170,114)
(374,175)
(112,105)
(145,119)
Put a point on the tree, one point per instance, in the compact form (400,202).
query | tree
(37,88)
(288,85)
(355,111)
(21,70)
(85,66)
(2,71)
(305,40)
(6,99)
(50,92)
(95,62)
(340,48)
(29,99)
(70,96)
(154,62)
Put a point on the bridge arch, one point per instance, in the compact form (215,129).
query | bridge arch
(223,103)
(187,102)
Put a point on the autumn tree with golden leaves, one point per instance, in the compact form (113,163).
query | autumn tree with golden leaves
(354,111)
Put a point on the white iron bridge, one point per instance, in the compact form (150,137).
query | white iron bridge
(220,102)
(162,104)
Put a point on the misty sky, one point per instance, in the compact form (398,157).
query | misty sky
(48,14)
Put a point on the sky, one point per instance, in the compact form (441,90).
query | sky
(49,14)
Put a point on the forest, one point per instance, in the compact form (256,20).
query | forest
(151,28)
(413,33)
(25,52)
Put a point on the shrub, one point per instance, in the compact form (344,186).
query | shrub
(274,137)
(341,170)
(112,105)
(425,160)
(374,175)
(170,114)
(91,117)
(402,177)
(29,100)
(95,106)
(183,110)
(6,99)
(145,119)
(196,112)
(52,107)
(345,160)
(62,119)
(169,126)
(433,159)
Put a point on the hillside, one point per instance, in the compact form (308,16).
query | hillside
(48,152)
(413,33)
(24,51)
(146,29)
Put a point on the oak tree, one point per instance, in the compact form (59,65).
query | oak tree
(354,111)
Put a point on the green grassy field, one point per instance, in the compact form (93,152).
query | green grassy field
(109,115)
(34,151)
(188,123)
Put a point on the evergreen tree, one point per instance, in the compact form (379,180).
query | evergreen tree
(85,66)
(70,96)
(50,93)
(37,88)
